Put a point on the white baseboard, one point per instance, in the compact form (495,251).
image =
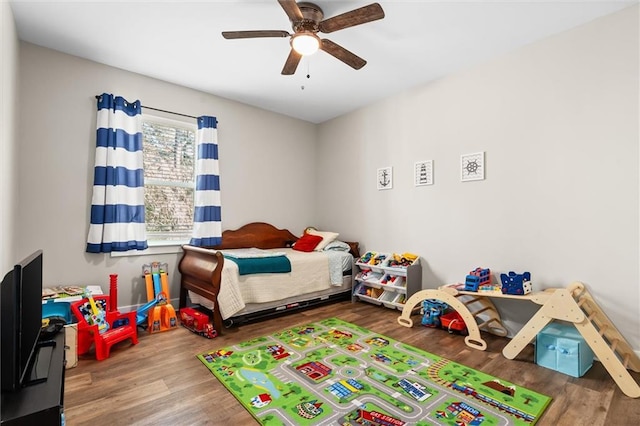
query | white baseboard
(128,308)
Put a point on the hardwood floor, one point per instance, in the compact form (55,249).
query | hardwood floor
(160,381)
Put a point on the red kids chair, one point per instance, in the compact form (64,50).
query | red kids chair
(100,327)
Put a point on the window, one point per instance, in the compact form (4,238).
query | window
(169,179)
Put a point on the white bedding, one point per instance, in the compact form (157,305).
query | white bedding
(310,272)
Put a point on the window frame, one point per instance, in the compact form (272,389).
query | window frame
(158,245)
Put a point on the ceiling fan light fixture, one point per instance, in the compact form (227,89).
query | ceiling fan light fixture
(305,43)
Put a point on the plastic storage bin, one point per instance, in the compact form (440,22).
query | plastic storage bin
(562,348)
(51,308)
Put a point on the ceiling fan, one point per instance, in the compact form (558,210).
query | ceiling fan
(307,20)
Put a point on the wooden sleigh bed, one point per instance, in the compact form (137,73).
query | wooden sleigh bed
(202,278)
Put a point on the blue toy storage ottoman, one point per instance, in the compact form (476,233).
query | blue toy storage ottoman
(561,347)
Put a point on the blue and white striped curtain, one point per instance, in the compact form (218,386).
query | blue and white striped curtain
(207,223)
(117,206)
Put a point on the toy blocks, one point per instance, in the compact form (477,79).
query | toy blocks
(516,284)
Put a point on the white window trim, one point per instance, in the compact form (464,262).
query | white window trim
(161,246)
(155,247)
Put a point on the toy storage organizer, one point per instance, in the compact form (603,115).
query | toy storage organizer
(573,304)
(380,283)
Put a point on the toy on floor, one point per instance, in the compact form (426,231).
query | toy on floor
(433,310)
(197,322)
(161,314)
(143,311)
(453,322)
(516,284)
(101,325)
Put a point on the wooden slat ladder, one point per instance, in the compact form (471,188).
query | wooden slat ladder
(575,304)
(451,296)
(490,320)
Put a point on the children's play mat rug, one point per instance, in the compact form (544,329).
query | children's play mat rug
(336,373)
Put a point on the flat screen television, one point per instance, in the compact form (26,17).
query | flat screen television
(20,320)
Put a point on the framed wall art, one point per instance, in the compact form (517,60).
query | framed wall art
(423,173)
(385,178)
(472,166)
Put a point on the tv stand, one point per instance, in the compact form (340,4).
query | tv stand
(41,401)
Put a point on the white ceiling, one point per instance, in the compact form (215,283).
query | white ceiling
(180,42)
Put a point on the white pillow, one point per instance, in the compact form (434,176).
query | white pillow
(338,245)
(327,237)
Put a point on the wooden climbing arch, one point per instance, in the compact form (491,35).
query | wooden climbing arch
(490,321)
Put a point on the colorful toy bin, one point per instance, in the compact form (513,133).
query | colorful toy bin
(560,347)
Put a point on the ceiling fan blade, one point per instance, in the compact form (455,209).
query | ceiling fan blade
(362,15)
(339,52)
(292,63)
(292,10)
(254,34)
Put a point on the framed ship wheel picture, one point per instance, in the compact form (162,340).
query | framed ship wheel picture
(472,166)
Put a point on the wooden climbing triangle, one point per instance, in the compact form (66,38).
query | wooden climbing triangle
(573,304)
(576,305)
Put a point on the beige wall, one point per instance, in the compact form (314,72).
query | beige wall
(8,141)
(558,121)
(262,177)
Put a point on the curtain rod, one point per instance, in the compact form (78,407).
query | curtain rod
(162,110)
(169,112)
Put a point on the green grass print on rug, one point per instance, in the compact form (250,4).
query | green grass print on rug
(332,372)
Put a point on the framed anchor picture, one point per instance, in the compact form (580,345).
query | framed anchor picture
(385,178)
(472,166)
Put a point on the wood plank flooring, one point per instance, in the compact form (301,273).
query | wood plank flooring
(160,381)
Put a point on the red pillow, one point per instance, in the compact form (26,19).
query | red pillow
(307,242)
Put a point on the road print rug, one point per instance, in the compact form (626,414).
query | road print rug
(335,373)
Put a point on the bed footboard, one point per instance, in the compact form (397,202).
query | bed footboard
(201,272)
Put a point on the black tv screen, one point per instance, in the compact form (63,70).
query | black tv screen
(20,320)
(30,272)
(10,373)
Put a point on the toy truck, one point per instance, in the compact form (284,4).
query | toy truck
(476,278)
(197,322)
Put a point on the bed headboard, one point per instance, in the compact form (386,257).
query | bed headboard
(264,236)
(257,234)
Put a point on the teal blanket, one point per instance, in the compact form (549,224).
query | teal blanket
(261,265)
